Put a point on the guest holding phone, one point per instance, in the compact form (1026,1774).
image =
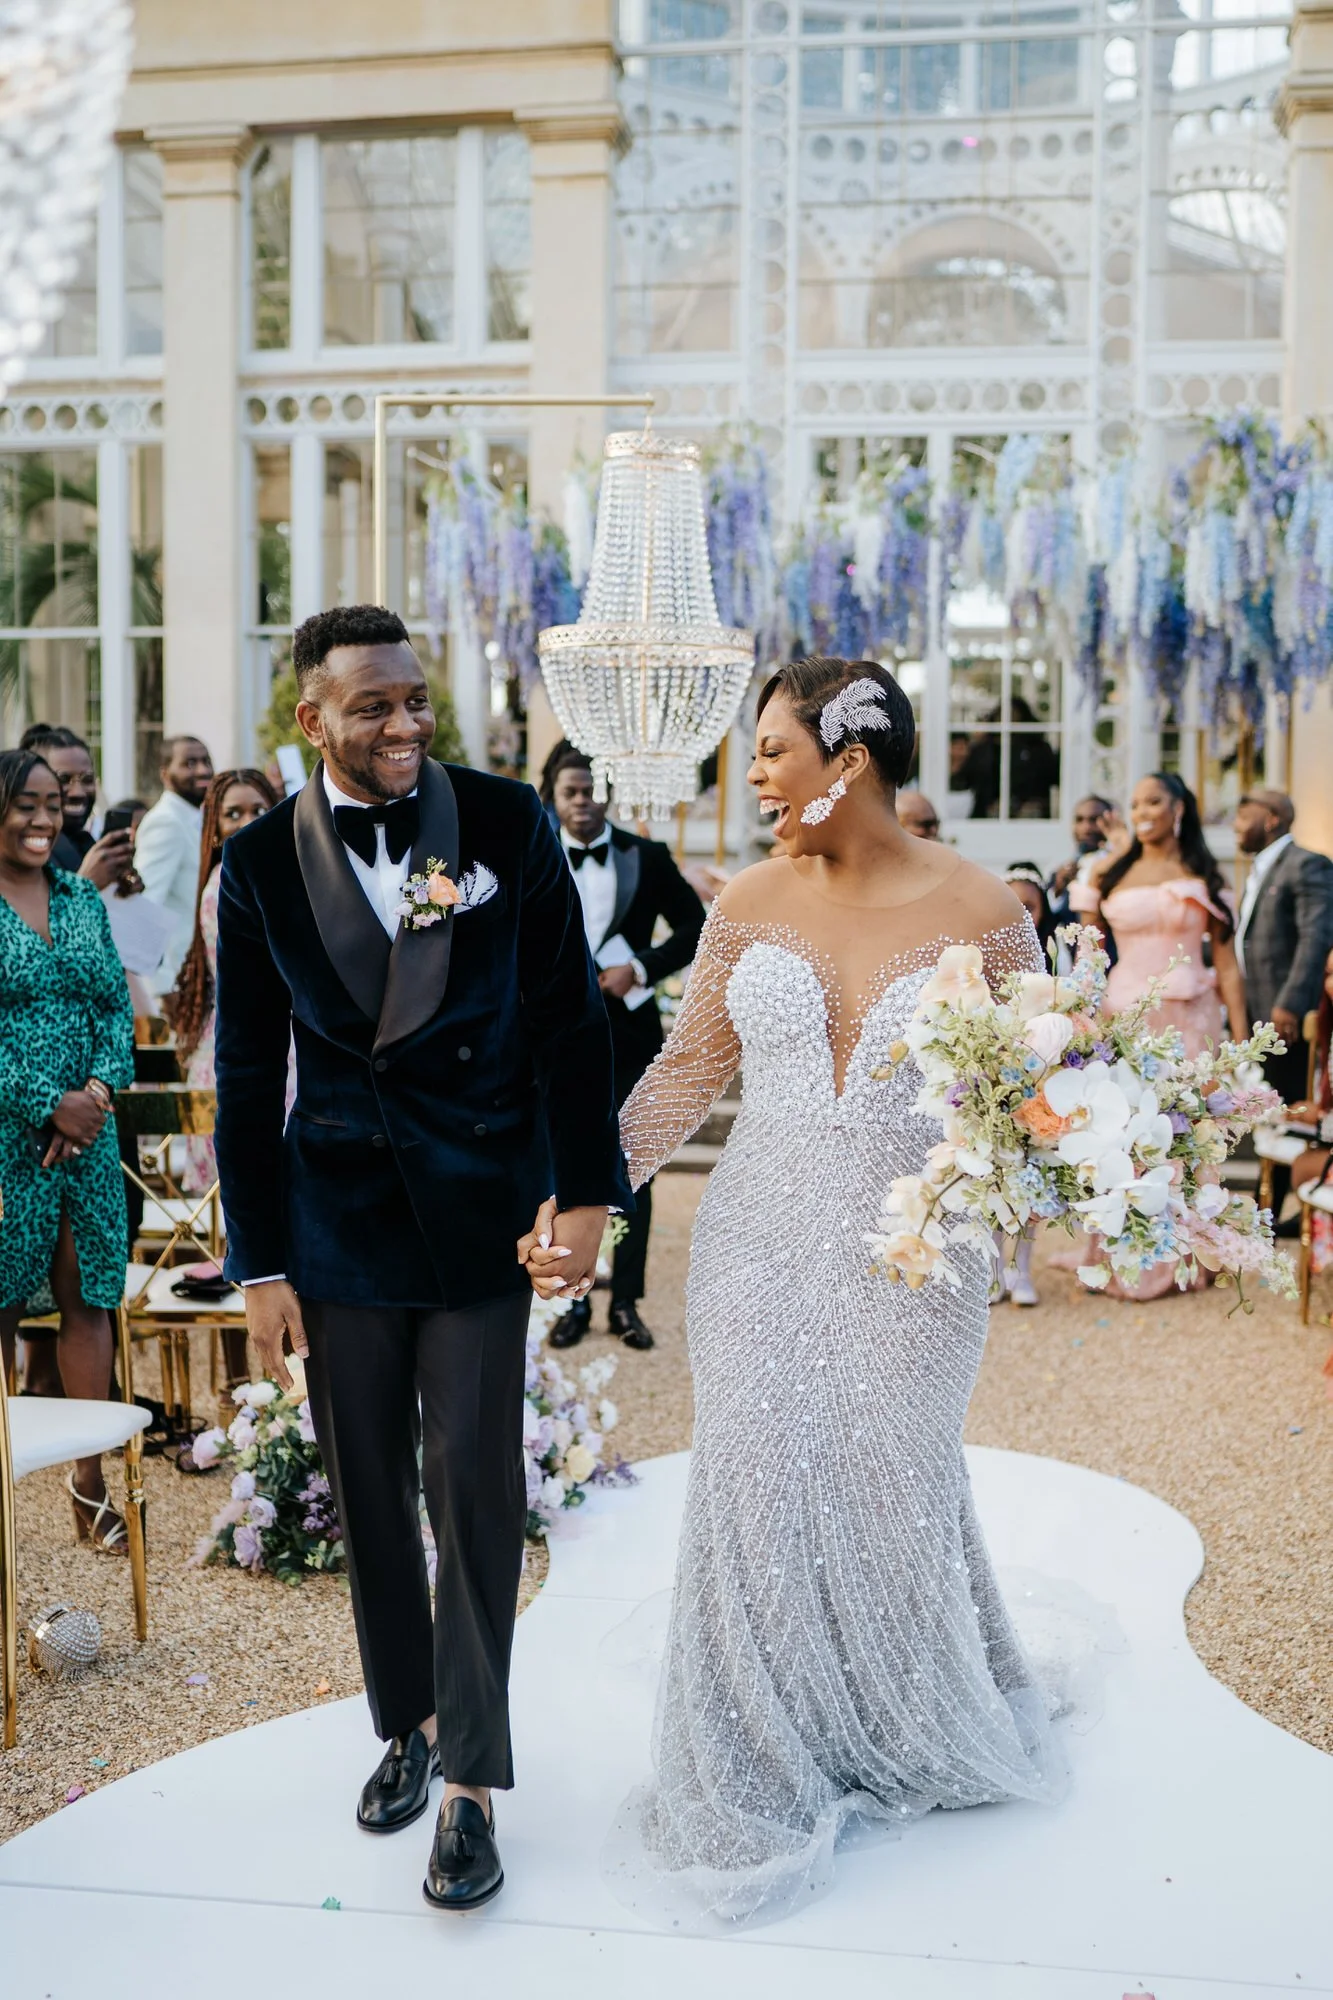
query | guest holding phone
(66,1045)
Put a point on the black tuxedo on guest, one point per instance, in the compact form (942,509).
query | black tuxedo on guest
(649,886)
(447,1083)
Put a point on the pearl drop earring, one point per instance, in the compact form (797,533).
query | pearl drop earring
(820,808)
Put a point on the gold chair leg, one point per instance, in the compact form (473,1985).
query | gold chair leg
(166,1361)
(135,1525)
(1266,1184)
(9,1593)
(1307,1259)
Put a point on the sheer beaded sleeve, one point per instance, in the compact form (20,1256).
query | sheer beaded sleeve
(1016,948)
(700,1057)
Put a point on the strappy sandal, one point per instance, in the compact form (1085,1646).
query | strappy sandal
(105,1530)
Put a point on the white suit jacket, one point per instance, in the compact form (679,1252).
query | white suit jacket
(166,854)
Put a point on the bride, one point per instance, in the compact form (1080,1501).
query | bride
(838,1651)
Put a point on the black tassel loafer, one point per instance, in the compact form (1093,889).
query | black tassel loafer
(398,1790)
(464,1869)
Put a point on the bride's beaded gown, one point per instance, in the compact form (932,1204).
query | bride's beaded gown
(838,1648)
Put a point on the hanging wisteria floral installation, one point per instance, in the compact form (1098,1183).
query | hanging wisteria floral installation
(741,550)
(1135,618)
(1237,494)
(1303,604)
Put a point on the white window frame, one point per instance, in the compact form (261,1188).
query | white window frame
(307,352)
(111,359)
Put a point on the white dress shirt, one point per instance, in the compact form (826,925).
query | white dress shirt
(383,883)
(1254,882)
(596,884)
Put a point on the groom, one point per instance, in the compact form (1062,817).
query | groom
(451,1075)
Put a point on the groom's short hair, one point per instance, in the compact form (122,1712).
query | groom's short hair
(344,625)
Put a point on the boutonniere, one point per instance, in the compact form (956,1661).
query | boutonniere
(428,897)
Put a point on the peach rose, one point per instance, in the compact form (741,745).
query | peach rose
(441,891)
(958,980)
(1036,1117)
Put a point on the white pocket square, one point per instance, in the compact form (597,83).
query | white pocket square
(475,887)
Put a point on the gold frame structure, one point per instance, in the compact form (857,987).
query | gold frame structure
(449,399)
(134,1530)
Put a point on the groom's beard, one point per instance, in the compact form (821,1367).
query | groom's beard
(348,762)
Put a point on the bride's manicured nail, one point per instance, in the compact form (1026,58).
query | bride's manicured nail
(543,1242)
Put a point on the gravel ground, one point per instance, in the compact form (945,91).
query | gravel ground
(1227,1419)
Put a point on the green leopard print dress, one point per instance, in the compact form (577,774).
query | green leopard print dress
(65,1015)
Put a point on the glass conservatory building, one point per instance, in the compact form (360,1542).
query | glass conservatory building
(875,233)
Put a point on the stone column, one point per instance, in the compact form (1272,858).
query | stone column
(202,448)
(573,150)
(1305,115)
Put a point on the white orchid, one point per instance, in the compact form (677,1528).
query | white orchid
(1096,1107)
(959,980)
(1148,1134)
(1117,1189)
(906,1201)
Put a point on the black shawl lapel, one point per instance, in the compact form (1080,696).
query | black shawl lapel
(625,860)
(419,960)
(349,930)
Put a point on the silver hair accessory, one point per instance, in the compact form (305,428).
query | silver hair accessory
(1022,874)
(852,711)
(65,1643)
(820,808)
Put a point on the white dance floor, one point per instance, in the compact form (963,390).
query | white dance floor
(1189,1863)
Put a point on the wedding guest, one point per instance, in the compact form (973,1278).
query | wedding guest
(1316,1163)
(917,815)
(625,885)
(1164,899)
(65,1047)
(1284,931)
(101,861)
(167,849)
(1029,885)
(1093,817)
(234,799)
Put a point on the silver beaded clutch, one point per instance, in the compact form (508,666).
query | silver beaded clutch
(65,1643)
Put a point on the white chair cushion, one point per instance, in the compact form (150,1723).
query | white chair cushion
(161,1298)
(52,1430)
(161,1217)
(1284,1147)
(1317,1194)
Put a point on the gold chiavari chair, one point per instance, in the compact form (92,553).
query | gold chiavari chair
(183,1228)
(38,1431)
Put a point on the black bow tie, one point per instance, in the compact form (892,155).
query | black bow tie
(356,825)
(578,855)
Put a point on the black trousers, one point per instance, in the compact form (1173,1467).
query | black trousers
(383,1380)
(1288,1075)
(629,1260)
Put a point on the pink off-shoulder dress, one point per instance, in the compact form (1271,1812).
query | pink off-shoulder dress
(1151,926)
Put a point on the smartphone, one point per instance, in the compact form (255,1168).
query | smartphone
(119,819)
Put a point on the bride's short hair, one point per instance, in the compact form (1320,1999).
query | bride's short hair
(808,686)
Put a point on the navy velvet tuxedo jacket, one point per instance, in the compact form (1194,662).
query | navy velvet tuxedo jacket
(446,1085)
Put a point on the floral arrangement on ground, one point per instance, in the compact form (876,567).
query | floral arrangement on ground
(1053,1111)
(565,1422)
(280,1516)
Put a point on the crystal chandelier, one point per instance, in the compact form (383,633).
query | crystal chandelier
(63,65)
(647,683)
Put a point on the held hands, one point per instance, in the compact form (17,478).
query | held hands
(272,1310)
(559,1252)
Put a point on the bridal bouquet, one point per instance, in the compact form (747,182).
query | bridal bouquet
(564,1428)
(1053,1111)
